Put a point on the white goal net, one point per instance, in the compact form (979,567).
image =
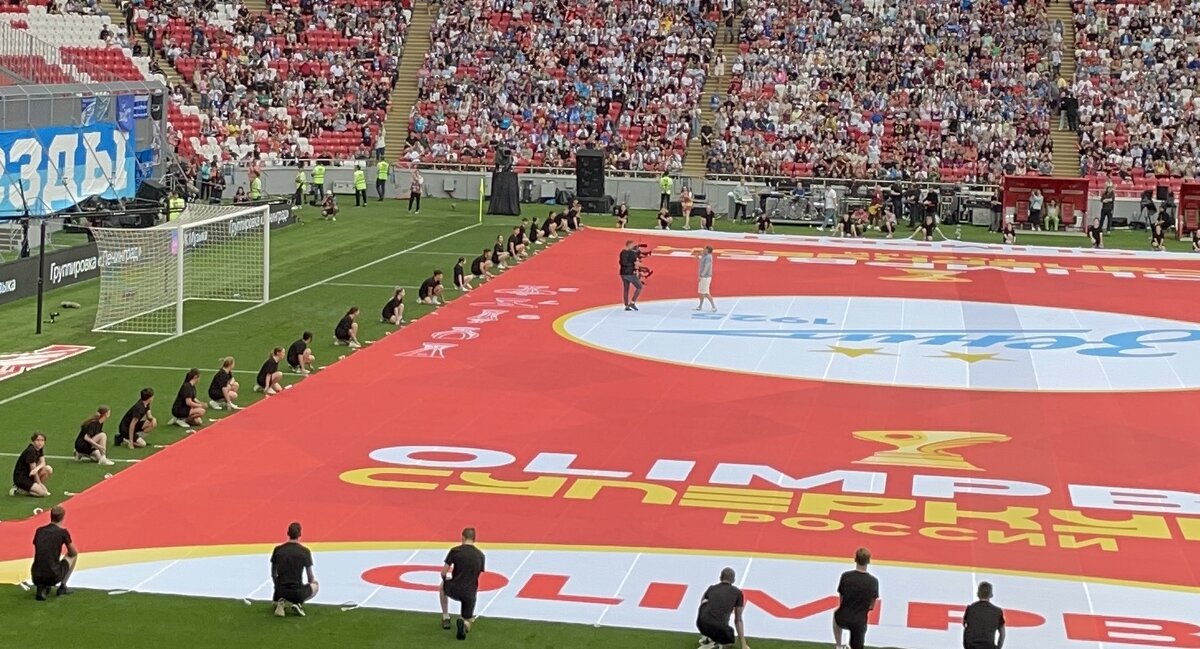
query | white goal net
(211,252)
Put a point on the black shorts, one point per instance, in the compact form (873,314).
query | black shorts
(53,577)
(722,634)
(137,432)
(83,448)
(293,595)
(465,597)
(858,631)
(181,414)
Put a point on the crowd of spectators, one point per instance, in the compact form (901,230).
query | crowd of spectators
(307,78)
(545,77)
(1137,68)
(920,89)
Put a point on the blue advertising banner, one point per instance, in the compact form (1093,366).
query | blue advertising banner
(47,170)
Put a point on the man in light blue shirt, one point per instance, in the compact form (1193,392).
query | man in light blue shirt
(706,271)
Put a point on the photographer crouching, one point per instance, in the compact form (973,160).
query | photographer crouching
(632,272)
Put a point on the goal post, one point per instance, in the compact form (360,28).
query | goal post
(211,252)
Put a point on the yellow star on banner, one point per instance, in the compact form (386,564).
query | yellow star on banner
(971,358)
(854,352)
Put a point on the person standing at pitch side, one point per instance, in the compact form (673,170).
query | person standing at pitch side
(857,591)
(460,582)
(629,275)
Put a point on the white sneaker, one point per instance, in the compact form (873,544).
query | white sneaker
(104,461)
(270,391)
(280,610)
(298,609)
(215,405)
(78,457)
(355,344)
(12,491)
(339,342)
(182,423)
(258,388)
(172,421)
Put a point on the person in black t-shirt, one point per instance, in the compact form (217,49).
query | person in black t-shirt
(92,443)
(188,411)
(31,471)
(927,229)
(460,275)
(982,621)
(499,254)
(1157,230)
(51,565)
(269,375)
(480,266)
(858,591)
(550,227)
(460,582)
(629,275)
(1008,232)
(664,219)
(223,389)
(299,355)
(707,217)
(1096,234)
(516,244)
(763,220)
(393,311)
(346,331)
(430,291)
(137,421)
(291,562)
(574,215)
(622,215)
(719,602)
(533,233)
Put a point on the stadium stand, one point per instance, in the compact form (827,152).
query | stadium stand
(545,78)
(923,89)
(1139,115)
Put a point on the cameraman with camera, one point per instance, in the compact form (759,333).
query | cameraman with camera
(630,274)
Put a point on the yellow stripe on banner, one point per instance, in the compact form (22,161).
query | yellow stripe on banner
(481,192)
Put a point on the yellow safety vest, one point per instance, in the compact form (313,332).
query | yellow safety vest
(666,183)
(360,179)
(383,170)
(256,188)
(319,175)
(176,208)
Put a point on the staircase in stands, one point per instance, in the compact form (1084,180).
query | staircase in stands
(404,93)
(1066,142)
(113,9)
(695,161)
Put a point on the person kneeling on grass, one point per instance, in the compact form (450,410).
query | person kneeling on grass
(187,411)
(534,233)
(393,311)
(31,471)
(289,563)
(51,565)
(499,254)
(480,267)
(431,289)
(460,582)
(223,390)
(269,375)
(299,357)
(346,331)
(329,209)
(138,421)
(721,601)
(549,227)
(460,275)
(516,244)
(92,443)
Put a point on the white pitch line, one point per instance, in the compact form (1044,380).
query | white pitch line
(236,314)
(620,587)
(68,457)
(353,284)
(127,366)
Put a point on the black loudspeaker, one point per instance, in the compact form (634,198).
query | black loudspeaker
(589,173)
(152,191)
(593,205)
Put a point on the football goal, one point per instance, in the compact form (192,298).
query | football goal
(211,252)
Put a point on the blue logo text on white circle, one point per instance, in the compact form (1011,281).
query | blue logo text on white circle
(903,342)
